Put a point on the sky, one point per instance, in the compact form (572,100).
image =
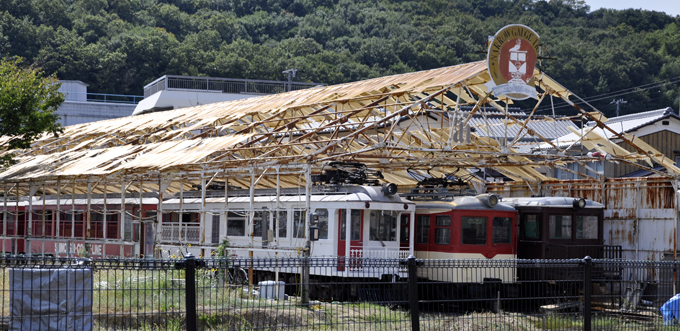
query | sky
(671,7)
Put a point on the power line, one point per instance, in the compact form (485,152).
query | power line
(626,91)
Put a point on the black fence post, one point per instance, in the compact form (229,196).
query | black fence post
(189,264)
(413,293)
(587,293)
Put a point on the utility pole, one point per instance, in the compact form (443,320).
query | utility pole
(291,74)
(618,104)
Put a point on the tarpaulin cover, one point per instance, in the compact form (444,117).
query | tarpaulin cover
(671,309)
(50,299)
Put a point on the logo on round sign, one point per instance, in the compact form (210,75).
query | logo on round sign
(511,60)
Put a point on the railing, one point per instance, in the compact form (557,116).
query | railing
(106,98)
(239,294)
(379,253)
(223,85)
(559,252)
(173,233)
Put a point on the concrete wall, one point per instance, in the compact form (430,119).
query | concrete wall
(77,112)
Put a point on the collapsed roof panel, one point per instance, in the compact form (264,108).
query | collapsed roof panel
(393,123)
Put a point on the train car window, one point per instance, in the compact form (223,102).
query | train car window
(236,224)
(111,226)
(215,235)
(473,230)
(560,226)
(442,220)
(502,230)
(96,225)
(442,236)
(281,223)
(298,224)
(403,233)
(586,227)
(423,229)
(260,221)
(342,216)
(323,223)
(383,225)
(127,223)
(356,224)
(530,226)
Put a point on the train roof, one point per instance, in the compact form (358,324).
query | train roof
(548,202)
(462,202)
(68,202)
(346,194)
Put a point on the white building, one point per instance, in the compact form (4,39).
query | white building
(82,107)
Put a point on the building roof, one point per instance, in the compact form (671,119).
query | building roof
(271,140)
(621,124)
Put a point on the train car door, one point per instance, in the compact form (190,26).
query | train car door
(356,235)
(404,223)
(147,239)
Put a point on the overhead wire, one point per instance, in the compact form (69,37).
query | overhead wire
(626,91)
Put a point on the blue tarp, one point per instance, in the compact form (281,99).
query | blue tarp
(671,309)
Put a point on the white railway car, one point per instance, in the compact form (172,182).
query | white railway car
(279,226)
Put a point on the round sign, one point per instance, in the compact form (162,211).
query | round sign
(511,61)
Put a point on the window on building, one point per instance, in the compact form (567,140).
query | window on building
(598,166)
(564,174)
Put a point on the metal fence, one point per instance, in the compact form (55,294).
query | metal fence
(40,293)
(223,85)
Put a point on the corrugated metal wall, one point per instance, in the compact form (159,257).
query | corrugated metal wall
(664,141)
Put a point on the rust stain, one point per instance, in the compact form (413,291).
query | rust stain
(630,238)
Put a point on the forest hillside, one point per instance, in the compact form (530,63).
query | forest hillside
(118,46)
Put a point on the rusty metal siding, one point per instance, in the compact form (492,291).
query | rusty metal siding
(664,141)
(640,213)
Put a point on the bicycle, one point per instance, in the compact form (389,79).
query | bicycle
(237,276)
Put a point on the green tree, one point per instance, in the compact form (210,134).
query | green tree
(28,100)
